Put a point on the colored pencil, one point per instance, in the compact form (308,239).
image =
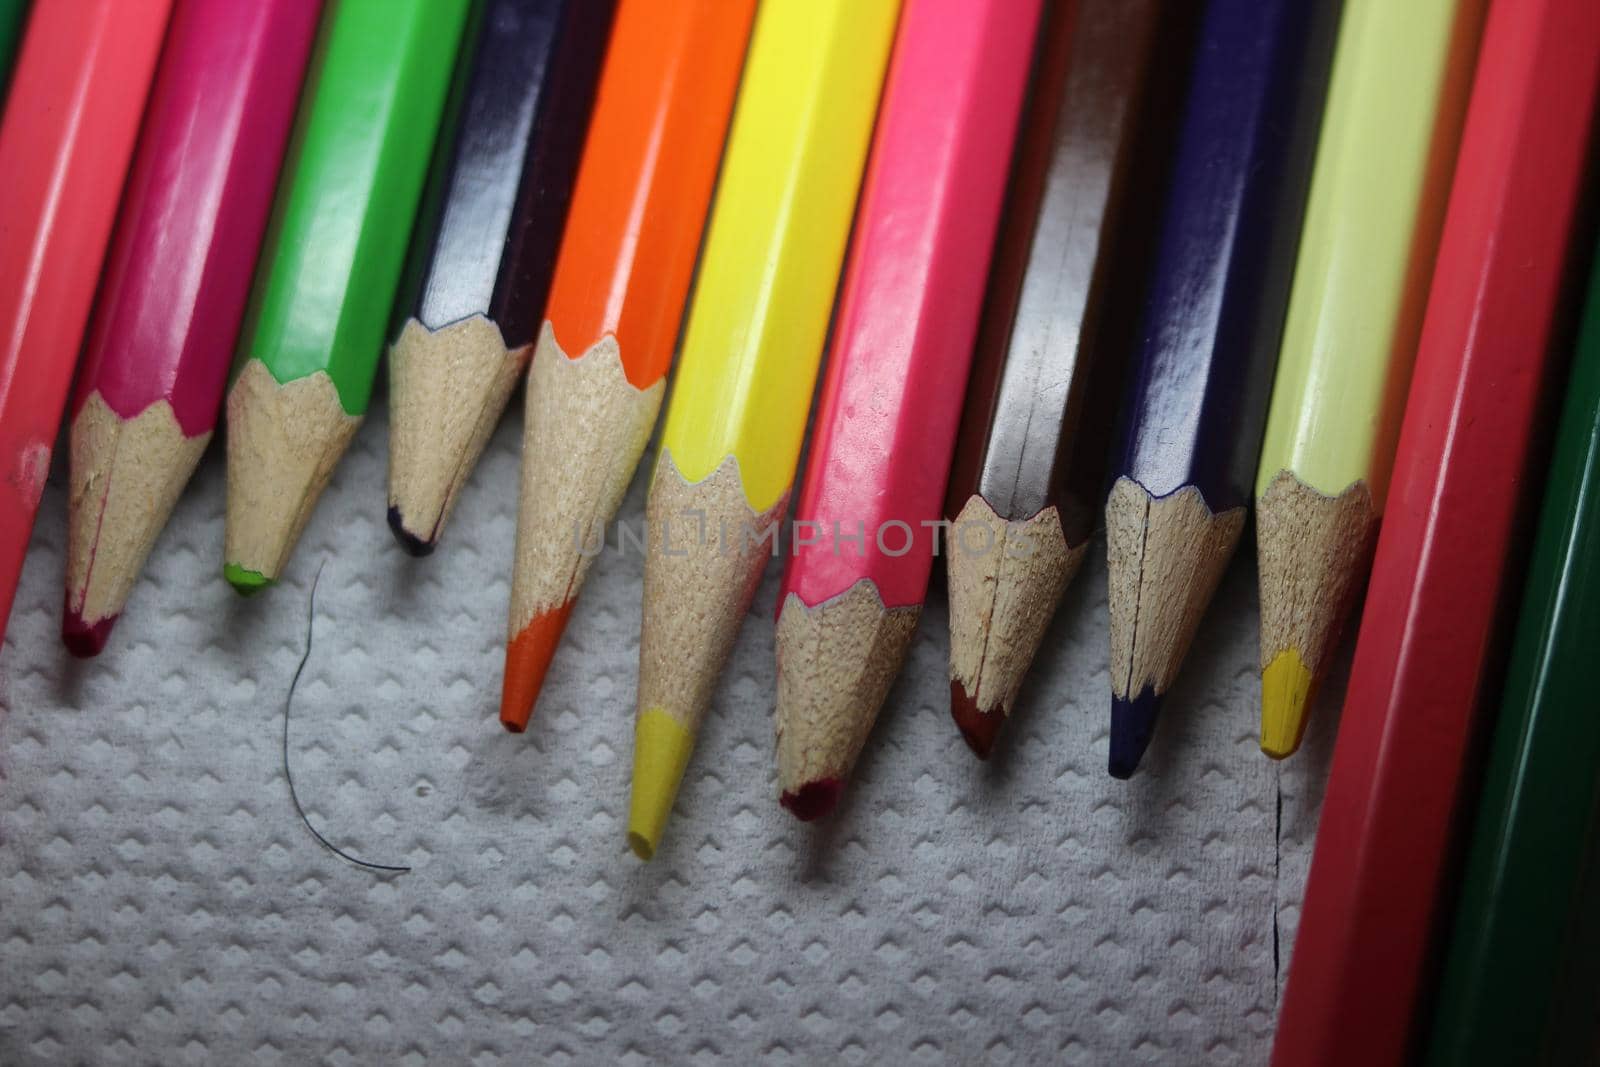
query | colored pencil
(68,132)
(13,15)
(1397,94)
(600,364)
(329,269)
(1193,418)
(1383,866)
(886,421)
(485,245)
(750,352)
(176,280)
(1537,823)
(1055,338)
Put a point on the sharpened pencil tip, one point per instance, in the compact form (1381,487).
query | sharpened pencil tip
(528,657)
(978,728)
(246,582)
(661,748)
(1133,724)
(814,799)
(1286,687)
(413,545)
(84,639)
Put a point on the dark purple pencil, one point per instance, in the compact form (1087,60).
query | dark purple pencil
(1196,405)
(485,244)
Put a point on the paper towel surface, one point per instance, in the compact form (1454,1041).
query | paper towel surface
(161,903)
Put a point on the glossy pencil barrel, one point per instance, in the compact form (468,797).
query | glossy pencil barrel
(776,240)
(197,199)
(68,132)
(1383,866)
(1059,297)
(1213,323)
(367,120)
(909,304)
(1370,237)
(649,166)
(491,219)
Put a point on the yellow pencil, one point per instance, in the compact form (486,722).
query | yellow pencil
(749,362)
(1384,161)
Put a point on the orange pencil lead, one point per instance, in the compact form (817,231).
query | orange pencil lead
(528,657)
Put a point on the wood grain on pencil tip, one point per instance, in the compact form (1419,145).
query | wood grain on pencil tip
(891,401)
(1211,331)
(616,301)
(1055,337)
(1396,93)
(176,280)
(1384,870)
(65,141)
(485,243)
(750,353)
(330,266)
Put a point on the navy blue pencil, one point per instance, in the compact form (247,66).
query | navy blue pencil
(1192,425)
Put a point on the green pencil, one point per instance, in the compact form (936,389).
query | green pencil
(1540,808)
(13,15)
(328,271)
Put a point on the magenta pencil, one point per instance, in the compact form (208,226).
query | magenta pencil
(176,280)
(885,431)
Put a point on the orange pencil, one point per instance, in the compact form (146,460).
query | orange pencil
(600,364)
(68,132)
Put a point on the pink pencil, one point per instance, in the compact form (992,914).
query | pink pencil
(885,430)
(175,286)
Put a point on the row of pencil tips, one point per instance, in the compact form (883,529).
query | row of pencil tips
(1294,257)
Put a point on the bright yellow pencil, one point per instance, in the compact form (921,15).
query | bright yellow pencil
(1384,161)
(749,362)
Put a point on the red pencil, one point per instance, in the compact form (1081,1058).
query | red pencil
(176,280)
(69,126)
(1378,876)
